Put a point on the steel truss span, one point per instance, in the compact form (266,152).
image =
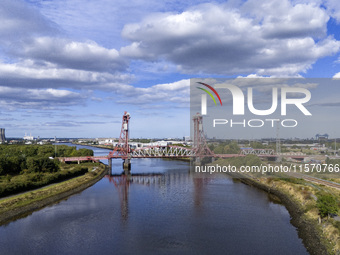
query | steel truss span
(162,152)
(199,149)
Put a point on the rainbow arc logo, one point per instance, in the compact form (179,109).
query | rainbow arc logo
(209,93)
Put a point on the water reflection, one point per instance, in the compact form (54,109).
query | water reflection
(199,184)
(166,211)
(123,182)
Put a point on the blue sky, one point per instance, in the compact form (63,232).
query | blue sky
(70,68)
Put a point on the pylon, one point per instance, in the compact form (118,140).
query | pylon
(201,148)
(123,149)
(123,142)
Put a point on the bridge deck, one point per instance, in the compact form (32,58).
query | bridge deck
(176,152)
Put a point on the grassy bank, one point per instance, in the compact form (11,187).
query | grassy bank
(23,204)
(10,185)
(27,167)
(320,235)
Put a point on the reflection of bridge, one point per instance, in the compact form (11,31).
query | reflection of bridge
(123,182)
(198,151)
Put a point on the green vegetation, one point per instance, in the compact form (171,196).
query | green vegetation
(226,148)
(141,140)
(327,204)
(332,161)
(14,206)
(249,160)
(25,167)
(28,181)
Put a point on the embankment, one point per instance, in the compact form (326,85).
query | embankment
(307,230)
(22,205)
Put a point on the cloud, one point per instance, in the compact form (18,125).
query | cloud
(14,98)
(72,54)
(36,53)
(176,94)
(19,20)
(73,123)
(275,38)
(336,76)
(102,20)
(333,9)
(29,74)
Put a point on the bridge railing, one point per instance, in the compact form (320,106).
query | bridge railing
(257,152)
(162,151)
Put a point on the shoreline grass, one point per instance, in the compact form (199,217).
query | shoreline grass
(21,204)
(300,198)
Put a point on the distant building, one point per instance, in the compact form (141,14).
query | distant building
(2,135)
(28,137)
(186,139)
(321,137)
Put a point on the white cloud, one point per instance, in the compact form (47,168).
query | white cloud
(333,8)
(102,20)
(30,75)
(14,98)
(35,53)
(19,20)
(73,54)
(336,76)
(275,38)
(176,94)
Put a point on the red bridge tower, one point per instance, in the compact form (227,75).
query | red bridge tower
(200,147)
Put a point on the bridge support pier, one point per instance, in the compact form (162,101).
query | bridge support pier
(197,161)
(110,166)
(127,164)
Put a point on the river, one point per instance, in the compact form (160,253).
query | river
(161,209)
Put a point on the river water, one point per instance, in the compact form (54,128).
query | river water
(161,209)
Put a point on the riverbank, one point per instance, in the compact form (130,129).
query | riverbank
(320,236)
(307,229)
(300,197)
(24,204)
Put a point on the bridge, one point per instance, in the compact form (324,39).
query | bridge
(198,151)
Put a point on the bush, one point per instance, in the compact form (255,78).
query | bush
(37,180)
(327,204)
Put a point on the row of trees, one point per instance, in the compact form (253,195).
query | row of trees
(12,185)
(225,148)
(231,147)
(16,159)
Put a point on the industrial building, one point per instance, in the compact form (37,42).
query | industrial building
(2,135)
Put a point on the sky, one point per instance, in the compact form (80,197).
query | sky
(70,68)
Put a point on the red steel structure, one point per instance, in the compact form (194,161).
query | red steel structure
(200,148)
(123,150)
(198,151)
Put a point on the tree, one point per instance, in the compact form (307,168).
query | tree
(219,149)
(33,164)
(257,145)
(327,204)
(232,148)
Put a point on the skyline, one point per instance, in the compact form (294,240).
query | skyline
(71,68)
